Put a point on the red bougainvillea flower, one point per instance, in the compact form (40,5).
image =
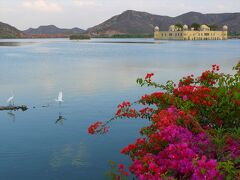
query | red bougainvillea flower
(122,171)
(149,75)
(92,129)
(197,94)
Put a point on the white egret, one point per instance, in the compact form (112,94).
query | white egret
(10,100)
(60,97)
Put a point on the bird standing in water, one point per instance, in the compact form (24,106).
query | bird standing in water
(10,101)
(60,98)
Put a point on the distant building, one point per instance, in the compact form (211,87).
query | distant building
(186,33)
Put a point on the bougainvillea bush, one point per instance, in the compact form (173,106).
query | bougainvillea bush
(194,131)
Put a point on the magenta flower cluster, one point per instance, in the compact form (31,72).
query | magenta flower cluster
(183,157)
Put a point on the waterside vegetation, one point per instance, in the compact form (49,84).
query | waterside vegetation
(194,130)
(125,36)
(79,37)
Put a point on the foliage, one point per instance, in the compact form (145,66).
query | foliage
(8,36)
(213,27)
(117,172)
(196,26)
(79,37)
(179,25)
(234,35)
(194,131)
(127,36)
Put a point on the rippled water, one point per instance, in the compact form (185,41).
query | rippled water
(94,76)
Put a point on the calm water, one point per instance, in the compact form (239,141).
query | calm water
(94,76)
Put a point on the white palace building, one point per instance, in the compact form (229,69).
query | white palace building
(186,33)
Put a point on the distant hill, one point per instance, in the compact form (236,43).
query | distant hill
(52,30)
(7,31)
(135,22)
(128,23)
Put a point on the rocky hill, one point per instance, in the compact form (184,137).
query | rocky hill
(52,30)
(135,22)
(7,31)
(129,22)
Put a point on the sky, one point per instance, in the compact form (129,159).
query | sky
(24,14)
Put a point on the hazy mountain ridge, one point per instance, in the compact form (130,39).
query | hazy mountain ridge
(129,22)
(136,22)
(52,30)
(7,31)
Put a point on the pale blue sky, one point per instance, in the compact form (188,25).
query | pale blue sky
(86,13)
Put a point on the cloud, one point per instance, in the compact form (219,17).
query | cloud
(84,3)
(221,7)
(7,10)
(42,5)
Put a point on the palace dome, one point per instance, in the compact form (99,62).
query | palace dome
(172,28)
(156,28)
(225,28)
(204,28)
(185,27)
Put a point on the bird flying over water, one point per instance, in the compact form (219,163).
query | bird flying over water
(10,100)
(60,97)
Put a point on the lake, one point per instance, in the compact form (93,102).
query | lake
(95,76)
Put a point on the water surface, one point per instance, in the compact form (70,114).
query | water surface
(51,142)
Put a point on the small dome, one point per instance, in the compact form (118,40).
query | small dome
(156,28)
(185,27)
(204,27)
(172,28)
(225,28)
